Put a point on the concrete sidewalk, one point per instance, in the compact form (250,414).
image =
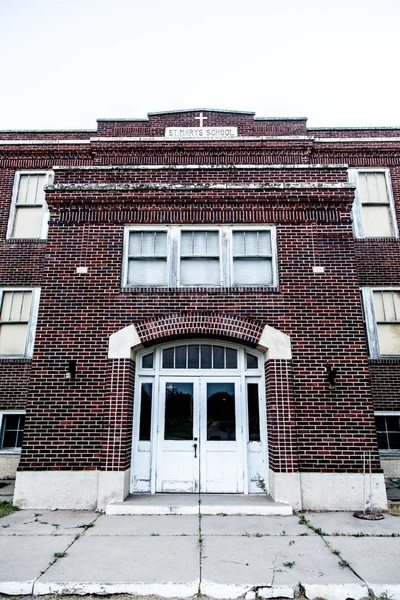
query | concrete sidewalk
(326,555)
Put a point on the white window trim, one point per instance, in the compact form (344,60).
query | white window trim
(358,223)
(388,413)
(13,207)
(371,320)
(226,256)
(10,412)
(32,323)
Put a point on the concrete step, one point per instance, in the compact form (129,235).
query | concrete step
(192,504)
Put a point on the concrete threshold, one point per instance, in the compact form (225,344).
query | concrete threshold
(193,504)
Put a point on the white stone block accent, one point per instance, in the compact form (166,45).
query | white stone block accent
(341,491)
(285,487)
(78,490)
(113,487)
(276,342)
(122,341)
(8,464)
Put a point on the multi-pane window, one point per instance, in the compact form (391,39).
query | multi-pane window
(252,257)
(29,213)
(147,258)
(373,211)
(382,316)
(388,431)
(224,256)
(199,258)
(199,356)
(18,310)
(11,431)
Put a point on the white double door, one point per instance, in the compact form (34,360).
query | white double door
(201,444)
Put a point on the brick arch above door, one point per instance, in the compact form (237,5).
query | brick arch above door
(265,338)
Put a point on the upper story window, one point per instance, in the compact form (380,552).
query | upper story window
(29,214)
(373,209)
(223,256)
(18,314)
(382,316)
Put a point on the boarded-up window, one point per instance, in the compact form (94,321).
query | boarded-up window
(387,312)
(30,214)
(14,322)
(375,204)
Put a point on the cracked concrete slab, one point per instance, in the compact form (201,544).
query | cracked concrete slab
(167,566)
(250,526)
(176,525)
(46,522)
(375,560)
(344,523)
(23,559)
(230,570)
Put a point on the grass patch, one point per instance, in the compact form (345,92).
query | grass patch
(6,508)
(3,484)
(394,510)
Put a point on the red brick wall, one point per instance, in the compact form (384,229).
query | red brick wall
(70,424)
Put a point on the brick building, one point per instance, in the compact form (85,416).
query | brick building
(202,300)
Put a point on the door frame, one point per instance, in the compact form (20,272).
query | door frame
(156,373)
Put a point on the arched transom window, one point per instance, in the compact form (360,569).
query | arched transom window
(199,356)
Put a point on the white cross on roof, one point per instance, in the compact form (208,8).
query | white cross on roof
(201,119)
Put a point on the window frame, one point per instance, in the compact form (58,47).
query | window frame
(32,321)
(14,206)
(357,211)
(3,413)
(225,256)
(387,413)
(371,321)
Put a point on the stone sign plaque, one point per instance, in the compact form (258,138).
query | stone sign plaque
(200,133)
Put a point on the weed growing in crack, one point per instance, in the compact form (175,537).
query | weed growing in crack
(289,565)
(303,520)
(60,554)
(343,563)
(155,535)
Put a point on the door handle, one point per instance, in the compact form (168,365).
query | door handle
(195,450)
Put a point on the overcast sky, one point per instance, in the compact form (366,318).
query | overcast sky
(65,63)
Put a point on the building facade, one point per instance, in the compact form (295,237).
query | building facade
(200,301)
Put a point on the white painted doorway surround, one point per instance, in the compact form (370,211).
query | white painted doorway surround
(199,420)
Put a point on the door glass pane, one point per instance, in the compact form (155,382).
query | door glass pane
(221,423)
(145,412)
(253,412)
(178,411)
